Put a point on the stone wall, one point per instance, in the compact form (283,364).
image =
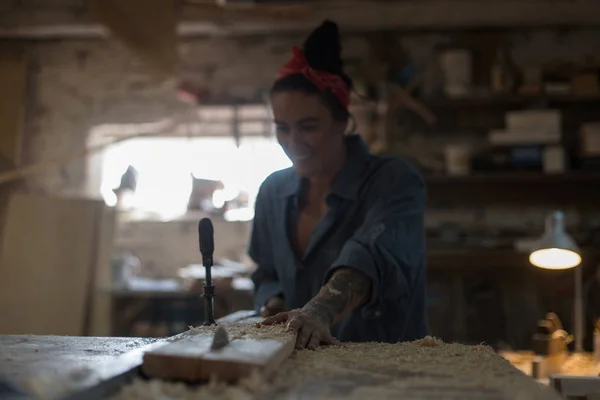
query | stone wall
(79,84)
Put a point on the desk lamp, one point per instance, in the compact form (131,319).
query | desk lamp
(557,250)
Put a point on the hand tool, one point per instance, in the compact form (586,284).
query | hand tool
(550,346)
(207,248)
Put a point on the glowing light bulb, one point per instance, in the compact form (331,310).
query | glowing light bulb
(554,258)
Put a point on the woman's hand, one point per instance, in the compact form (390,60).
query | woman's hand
(346,290)
(312,331)
(274,306)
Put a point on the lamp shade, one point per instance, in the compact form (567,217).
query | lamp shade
(555,249)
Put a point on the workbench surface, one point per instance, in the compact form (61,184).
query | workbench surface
(24,357)
(420,370)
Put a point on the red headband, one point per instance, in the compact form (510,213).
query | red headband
(322,80)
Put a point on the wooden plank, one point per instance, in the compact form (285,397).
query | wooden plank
(251,350)
(147,27)
(241,317)
(101,313)
(52,366)
(45,259)
(56,22)
(515,189)
(13,81)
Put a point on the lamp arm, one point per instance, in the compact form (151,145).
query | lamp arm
(579,329)
(582,294)
(588,285)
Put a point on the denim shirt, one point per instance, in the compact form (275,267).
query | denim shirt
(374,224)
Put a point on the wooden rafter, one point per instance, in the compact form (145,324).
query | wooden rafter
(147,27)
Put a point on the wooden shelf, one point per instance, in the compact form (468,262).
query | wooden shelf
(508,101)
(579,190)
(482,114)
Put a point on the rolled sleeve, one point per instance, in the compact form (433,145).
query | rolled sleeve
(389,245)
(265,278)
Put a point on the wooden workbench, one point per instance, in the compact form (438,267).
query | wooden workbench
(419,371)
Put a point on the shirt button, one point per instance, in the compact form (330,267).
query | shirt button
(378,313)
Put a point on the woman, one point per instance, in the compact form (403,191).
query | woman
(338,238)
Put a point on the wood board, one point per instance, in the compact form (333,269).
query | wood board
(46,259)
(251,349)
(101,318)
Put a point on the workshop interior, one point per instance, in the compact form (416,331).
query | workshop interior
(135,136)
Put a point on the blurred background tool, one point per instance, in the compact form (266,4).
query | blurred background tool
(207,247)
(550,347)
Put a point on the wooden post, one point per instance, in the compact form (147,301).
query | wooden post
(13,81)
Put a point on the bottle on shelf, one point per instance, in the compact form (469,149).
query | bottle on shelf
(501,76)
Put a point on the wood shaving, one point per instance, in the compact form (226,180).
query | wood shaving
(424,369)
(580,364)
(428,341)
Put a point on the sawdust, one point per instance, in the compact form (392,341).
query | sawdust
(581,364)
(424,369)
(429,341)
(159,390)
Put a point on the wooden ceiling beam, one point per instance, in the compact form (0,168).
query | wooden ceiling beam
(200,18)
(146,27)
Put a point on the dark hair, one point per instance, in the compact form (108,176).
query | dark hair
(322,50)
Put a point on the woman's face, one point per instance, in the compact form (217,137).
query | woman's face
(307,132)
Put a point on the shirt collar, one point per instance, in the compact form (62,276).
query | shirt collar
(347,182)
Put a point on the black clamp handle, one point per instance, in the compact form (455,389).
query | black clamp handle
(207,248)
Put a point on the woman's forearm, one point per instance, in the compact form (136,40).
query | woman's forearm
(345,291)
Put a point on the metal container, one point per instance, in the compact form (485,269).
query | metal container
(457,69)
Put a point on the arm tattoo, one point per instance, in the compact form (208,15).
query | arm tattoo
(346,290)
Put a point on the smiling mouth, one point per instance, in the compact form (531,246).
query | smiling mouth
(301,157)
